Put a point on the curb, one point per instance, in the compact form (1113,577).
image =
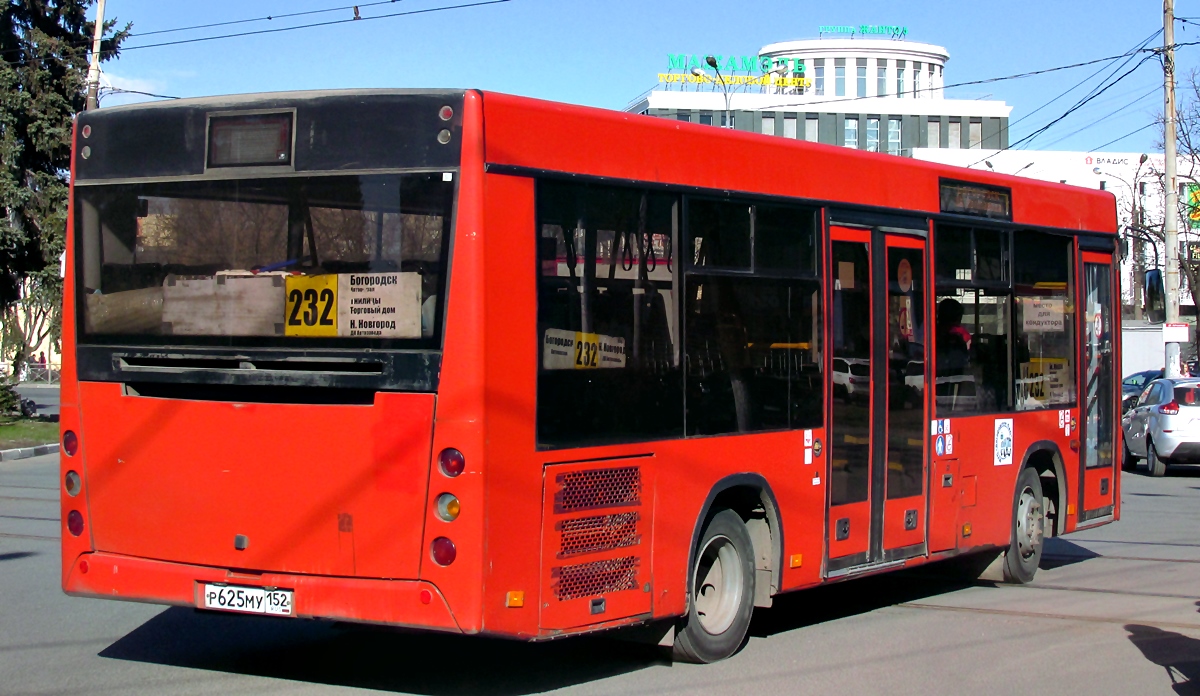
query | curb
(26,452)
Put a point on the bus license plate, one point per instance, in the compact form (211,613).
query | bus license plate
(252,600)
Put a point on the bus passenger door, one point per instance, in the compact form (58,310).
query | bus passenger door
(901,298)
(850,429)
(877,446)
(1098,414)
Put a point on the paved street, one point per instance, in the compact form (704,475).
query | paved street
(44,395)
(1113,611)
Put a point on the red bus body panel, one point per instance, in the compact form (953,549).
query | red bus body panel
(178,480)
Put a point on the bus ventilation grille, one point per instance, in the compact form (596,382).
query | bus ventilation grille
(598,533)
(592,489)
(596,578)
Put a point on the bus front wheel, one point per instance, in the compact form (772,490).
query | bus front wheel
(1029,522)
(721,583)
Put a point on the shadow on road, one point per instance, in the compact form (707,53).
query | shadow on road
(15,555)
(1178,654)
(373,657)
(1059,552)
(858,596)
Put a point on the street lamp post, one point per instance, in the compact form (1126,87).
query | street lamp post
(712,63)
(1136,214)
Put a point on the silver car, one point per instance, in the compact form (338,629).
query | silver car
(1163,425)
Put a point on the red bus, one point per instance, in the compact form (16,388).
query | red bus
(476,363)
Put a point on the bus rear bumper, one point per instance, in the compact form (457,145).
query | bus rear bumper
(408,603)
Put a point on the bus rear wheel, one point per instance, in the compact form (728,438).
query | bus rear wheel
(721,583)
(1029,523)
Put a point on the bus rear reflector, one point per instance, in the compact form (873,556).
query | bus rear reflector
(75,523)
(443,551)
(70,443)
(451,462)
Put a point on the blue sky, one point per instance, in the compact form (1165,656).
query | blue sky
(606,53)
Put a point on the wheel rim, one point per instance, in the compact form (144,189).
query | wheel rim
(1029,524)
(717,584)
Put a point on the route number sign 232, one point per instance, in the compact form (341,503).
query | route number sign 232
(311,306)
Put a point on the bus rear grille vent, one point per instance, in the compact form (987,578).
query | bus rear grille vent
(595,579)
(598,533)
(591,489)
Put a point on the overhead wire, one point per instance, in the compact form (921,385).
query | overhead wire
(1105,117)
(316,24)
(1096,92)
(1099,88)
(267,18)
(1139,46)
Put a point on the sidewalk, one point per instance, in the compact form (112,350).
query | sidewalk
(26,452)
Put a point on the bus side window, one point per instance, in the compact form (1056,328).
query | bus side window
(609,367)
(752,343)
(974,311)
(1045,321)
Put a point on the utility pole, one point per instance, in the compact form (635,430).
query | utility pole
(1171,218)
(93,79)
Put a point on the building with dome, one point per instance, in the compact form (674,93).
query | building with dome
(878,94)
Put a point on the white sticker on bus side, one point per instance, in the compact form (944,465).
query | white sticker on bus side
(1002,442)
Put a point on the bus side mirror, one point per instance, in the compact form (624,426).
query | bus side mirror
(1156,297)
(1123,247)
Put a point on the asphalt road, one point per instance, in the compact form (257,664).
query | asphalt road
(44,395)
(1113,611)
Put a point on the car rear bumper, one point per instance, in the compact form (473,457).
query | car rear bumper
(409,603)
(1178,449)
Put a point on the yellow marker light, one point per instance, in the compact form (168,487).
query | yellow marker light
(1070,509)
(514,599)
(967,529)
(797,560)
(448,507)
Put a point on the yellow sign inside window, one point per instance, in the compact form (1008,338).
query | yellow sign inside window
(312,306)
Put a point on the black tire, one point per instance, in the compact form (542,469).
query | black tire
(1154,465)
(718,617)
(1128,462)
(1029,520)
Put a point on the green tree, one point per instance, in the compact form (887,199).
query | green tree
(44,48)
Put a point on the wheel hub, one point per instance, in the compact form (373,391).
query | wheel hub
(1030,524)
(717,585)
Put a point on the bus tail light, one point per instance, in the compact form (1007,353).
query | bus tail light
(1171,408)
(451,462)
(70,443)
(448,507)
(443,551)
(445,113)
(75,523)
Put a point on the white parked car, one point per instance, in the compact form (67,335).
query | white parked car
(1163,426)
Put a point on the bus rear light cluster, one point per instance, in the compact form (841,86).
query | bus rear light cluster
(443,552)
(451,462)
(75,523)
(70,443)
(445,113)
(72,483)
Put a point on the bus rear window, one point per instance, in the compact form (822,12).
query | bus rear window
(295,259)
